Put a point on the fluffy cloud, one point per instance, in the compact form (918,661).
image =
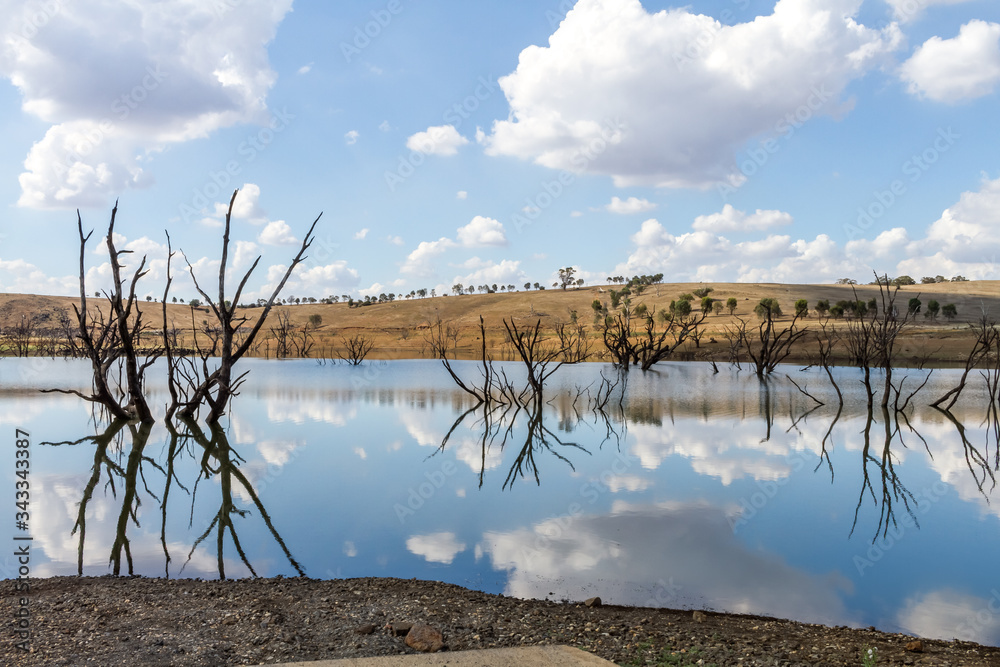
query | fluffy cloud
(482,232)
(437,140)
(351,137)
(958,69)
(602,97)
(507,272)
(419,263)
(964,240)
(332,278)
(120,81)
(630,205)
(436,548)
(731,220)
(246,207)
(277,232)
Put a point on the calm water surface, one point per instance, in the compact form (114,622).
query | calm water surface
(693,489)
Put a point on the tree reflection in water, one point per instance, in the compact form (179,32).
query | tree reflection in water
(120,459)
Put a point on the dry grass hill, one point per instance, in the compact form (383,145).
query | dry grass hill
(398,329)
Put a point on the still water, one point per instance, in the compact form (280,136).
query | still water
(688,489)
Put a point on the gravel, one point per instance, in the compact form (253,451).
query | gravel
(136,620)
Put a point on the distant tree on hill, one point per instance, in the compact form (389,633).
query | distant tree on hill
(899,281)
(913,306)
(706,304)
(702,292)
(566,277)
(801,308)
(933,308)
(949,311)
(822,307)
(847,281)
(959,279)
(731,304)
(315,320)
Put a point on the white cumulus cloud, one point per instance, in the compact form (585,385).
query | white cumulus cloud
(482,232)
(667,99)
(118,82)
(731,220)
(630,205)
(958,69)
(277,232)
(437,140)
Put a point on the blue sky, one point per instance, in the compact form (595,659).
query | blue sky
(495,142)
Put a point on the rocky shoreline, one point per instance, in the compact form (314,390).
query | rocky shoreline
(136,620)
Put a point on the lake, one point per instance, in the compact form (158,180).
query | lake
(690,489)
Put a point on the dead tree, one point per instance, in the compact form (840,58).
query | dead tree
(872,341)
(987,341)
(110,340)
(574,341)
(281,332)
(20,334)
(770,346)
(217,385)
(534,353)
(654,346)
(356,348)
(129,329)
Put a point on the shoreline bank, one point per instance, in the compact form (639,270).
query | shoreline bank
(122,620)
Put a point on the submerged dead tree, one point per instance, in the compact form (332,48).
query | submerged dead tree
(216,386)
(771,345)
(987,343)
(629,345)
(871,340)
(111,340)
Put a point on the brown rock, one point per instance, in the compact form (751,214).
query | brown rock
(915,646)
(365,629)
(592,602)
(400,629)
(424,638)
(699,616)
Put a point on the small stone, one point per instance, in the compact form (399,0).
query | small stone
(592,602)
(425,638)
(915,646)
(400,629)
(366,629)
(699,617)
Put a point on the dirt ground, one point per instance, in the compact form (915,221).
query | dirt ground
(132,620)
(399,329)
